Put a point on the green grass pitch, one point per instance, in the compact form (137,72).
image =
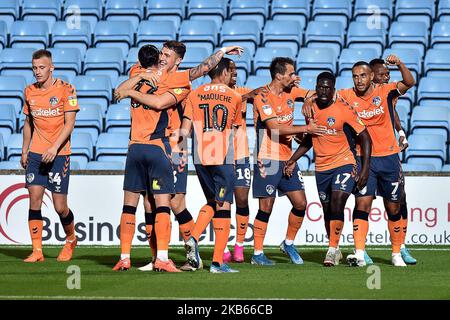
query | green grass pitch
(429,279)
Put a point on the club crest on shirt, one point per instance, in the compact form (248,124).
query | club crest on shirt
(331,121)
(376,101)
(290,103)
(267,110)
(270,189)
(54,101)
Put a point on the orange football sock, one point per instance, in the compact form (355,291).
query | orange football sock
(259,229)
(242,217)
(185,223)
(221,224)
(127,226)
(360,228)
(162,228)
(336,227)
(204,218)
(294,223)
(69,225)
(395,231)
(35,226)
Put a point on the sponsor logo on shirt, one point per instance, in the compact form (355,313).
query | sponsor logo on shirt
(46,112)
(285,118)
(369,114)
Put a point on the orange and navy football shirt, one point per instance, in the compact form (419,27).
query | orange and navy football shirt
(269,106)
(377,113)
(332,150)
(241,150)
(46,108)
(214,109)
(148,124)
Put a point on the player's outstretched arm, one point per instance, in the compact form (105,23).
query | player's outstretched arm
(311,128)
(302,149)
(366,151)
(69,124)
(26,140)
(155,102)
(209,63)
(407,77)
(250,95)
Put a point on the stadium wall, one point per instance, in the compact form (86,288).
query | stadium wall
(96,201)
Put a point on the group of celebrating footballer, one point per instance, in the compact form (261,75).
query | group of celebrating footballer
(352,132)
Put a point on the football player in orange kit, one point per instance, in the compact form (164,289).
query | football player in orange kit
(50,108)
(334,159)
(213,110)
(273,116)
(374,104)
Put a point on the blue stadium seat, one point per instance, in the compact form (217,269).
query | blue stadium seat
(365,10)
(82,148)
(155,32)
(443,12)
(415,11)
(264,56)
(9,11)
(166,7)
(215,10)
(7,120)
(116,34)
(3,34)
(437,63)
(90,11)
(257,10)
(11,91)
(283,34)
(110,145)
(308,83)
(129,10)
(64,37)
(103,165)
(173,10)
(405,105)
(325,34)
(446,168)
(436,88)
(48,11)
(440,35)
(241,32)
(344,82)
(104,61)
(200,81)
(94,89)
(428,148)
(29,34)
(257,81)
(202,31)
(316,59)
(14,147)
(17,62)
(132,58)
(431,118)
(118,118)
(90,120)
(10,165)
(424,167)
(67,62)
(360,36)
(296,10)
(2,149)
(411,58)
(403,116)
(408,35)
(193,57)
(336,10)
(350,56)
